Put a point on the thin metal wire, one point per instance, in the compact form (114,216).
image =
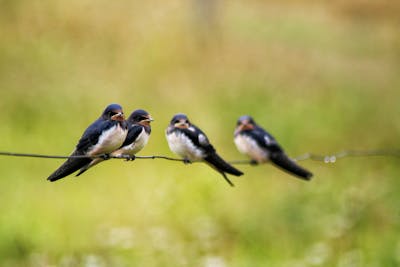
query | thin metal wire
(32,155)
(160,157)
(349,153)
(332,158)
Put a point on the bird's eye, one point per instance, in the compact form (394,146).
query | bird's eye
(176,121)
(186,121)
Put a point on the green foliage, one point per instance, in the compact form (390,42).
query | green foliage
(317,77)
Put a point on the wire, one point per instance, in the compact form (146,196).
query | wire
(31,155)
(2,153)
(332,158)
(348,153)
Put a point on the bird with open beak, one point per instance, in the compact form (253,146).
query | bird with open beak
(139,130)
(102,137)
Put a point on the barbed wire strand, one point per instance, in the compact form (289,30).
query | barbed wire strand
(332,158)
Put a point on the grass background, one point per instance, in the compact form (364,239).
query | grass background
(320,77)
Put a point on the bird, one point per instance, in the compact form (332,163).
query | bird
(188,141)
(261,147)
(102,137)
(139,130)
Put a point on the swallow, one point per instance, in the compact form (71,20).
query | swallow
(189,142)
(139,130)
(102,137)
(261,147)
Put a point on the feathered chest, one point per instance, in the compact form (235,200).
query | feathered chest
(138,144)
(182,145)
(109,140)
(247,145)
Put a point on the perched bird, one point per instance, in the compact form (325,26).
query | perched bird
(189,142)
(139,130)
(102,137)
(262,147)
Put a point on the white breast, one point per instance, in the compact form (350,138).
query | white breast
(248,146)
(136,146)
(109,140)
(181,145)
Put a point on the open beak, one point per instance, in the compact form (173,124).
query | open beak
(118,117)
(149,119)
(146,121)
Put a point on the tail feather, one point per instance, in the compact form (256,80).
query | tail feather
(89,165)
(227,179)
(284,162)
(221,165)
(69,166)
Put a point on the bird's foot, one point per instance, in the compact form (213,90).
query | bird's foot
(186,161)
(130,157)
(253,162)
(105,156)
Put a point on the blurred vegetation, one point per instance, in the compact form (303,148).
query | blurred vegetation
(320,77)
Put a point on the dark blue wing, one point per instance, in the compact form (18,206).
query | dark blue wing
(199,139)
(133,133)
(264,139)
(276,153)
(91,136)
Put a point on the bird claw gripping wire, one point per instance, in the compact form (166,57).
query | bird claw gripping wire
(186,161)
(130,157)
(105,156)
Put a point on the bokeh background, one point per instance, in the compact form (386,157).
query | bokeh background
(321,76)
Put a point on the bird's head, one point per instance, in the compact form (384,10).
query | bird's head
(180,121)
(113,112)
(245,123)
(141,117)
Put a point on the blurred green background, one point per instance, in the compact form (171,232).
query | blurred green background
(321,77)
